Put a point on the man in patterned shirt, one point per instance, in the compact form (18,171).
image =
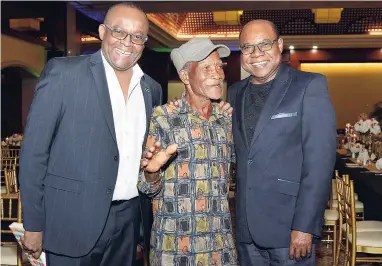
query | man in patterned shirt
(186,168)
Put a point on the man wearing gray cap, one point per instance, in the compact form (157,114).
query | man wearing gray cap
(187,163)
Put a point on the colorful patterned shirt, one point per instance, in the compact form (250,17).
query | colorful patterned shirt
(192,222)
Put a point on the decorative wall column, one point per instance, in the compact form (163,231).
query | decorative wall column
(73,36)
(62,31)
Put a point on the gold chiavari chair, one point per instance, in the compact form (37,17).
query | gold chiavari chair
(361,226)
(9,153)
(358,205)
(11,181)
(368,242)
(333,200)
(6,163)
(2,178)
(4,151)
(8,212)
(341,211)
(330,228)
(338,190)
(333,192)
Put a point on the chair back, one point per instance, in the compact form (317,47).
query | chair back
(350,219)
(11,184)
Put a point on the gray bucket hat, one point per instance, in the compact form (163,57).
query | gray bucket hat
(196,50)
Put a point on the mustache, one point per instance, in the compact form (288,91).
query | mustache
(216,83)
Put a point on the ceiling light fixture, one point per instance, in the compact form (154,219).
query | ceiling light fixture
(291,47)
(227,17)
(375,31)
(327,15)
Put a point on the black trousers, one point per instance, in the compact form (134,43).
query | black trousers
(117,244)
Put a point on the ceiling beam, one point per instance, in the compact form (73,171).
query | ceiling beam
(208,6)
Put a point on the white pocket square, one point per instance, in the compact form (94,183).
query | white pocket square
(283,115)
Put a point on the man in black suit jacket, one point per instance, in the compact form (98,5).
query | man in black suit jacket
(285,136)
(82,147)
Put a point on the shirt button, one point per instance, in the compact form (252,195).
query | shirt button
(250,162)
(116,158)
(108,191)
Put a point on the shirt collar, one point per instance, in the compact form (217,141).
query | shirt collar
(185,107)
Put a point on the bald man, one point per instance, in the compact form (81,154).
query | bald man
(82,147)
(284,131)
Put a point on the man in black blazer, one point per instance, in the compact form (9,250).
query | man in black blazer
(285,136)
(82,147)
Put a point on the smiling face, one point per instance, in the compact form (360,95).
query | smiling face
(122,55)
(262,65)
(205,78)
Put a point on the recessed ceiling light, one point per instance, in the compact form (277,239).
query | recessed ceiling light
(291,47)
(315,47)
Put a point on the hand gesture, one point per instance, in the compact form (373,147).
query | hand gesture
(156,157)
(175,102)
(226,108)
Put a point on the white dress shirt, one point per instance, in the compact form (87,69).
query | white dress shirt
(130,127)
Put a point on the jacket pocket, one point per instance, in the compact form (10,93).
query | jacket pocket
(287,187)
(63,183)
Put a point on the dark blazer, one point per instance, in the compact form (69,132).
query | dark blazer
(69,158)
(283,178)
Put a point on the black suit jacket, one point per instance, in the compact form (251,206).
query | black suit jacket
(69,158)
(283,177)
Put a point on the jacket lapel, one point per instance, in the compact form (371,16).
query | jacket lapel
(240,110)
(148,105)
(99,75)
(279,87)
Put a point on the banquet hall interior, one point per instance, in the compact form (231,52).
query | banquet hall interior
(340,39)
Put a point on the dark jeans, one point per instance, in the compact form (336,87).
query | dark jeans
(253,255)
(117,244)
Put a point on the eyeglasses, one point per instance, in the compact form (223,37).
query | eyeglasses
(121,35)
(263,47)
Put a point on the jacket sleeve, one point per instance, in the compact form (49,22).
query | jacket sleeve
(319,155)
(42,122)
